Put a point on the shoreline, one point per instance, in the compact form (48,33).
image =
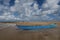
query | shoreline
(30,23)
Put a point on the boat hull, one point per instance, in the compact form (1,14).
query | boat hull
(36,27)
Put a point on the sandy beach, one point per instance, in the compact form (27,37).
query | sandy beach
(8,31)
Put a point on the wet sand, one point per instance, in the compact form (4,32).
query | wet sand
(11,33)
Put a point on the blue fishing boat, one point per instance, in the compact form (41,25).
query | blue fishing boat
(36,27)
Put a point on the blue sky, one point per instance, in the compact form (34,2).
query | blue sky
(31,10)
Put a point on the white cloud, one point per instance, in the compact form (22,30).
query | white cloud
(2,17)
(49,7)
(35,6)
(16,1)
(13,9)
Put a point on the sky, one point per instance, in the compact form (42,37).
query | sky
(29,10)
